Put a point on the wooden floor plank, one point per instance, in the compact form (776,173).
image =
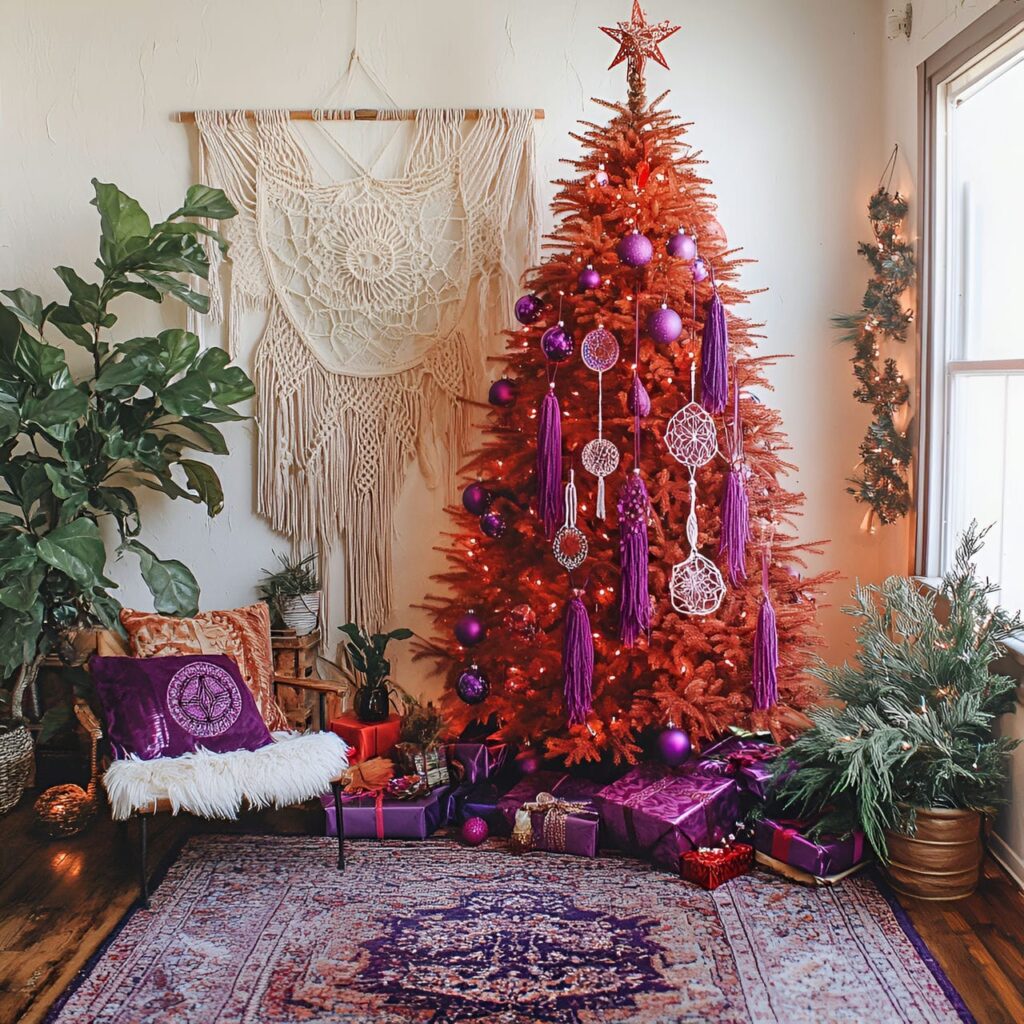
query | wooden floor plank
(60,900)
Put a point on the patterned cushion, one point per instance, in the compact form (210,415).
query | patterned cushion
(166,707)
(242,634)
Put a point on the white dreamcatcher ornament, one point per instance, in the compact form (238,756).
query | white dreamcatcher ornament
(600,352)
(696,586)
(570,545)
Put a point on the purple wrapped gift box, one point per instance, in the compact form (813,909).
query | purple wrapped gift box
(367,817)
(554,830)
(749,761)
(822,857)
(480,761)
(664,813)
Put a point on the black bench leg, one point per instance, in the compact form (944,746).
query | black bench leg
(339,817)
(143,860)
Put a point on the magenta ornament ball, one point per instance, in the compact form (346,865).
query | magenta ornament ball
(528,309)
(635,250)
(664,325)
(493,524)
(474,831)
(477,499)
(589,279)
(528,762)
(673,746)
(682,246)
(557,343)
(502,393)
(700,270)
(470,630)
(472,686)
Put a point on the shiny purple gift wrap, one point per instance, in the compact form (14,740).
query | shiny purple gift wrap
(581,830)
(481,761)
(749,761)
(664,813)
(399,819)
(822,857)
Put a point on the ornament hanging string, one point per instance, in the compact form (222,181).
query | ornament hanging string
(890,169)
(735,513)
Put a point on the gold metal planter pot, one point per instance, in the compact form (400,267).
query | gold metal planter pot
(942,859)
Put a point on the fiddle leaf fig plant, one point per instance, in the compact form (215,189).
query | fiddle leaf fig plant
(76,448)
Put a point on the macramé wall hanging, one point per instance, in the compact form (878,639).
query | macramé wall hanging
(382,299)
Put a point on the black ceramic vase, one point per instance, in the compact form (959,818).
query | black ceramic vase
(372,703)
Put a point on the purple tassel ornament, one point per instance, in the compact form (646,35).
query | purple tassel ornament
(714,358)
(634,558)
(549,463)
(764,677)
(577,660)
(735,510)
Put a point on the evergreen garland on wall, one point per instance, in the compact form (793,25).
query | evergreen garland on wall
(882,478)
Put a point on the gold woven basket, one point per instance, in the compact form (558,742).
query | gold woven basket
(16,761)
(942,860)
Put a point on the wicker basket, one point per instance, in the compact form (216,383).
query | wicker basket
(942,859)
(15,766)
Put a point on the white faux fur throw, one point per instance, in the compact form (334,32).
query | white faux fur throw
(295,767)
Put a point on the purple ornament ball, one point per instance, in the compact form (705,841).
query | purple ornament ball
(474,831)
(557,343)
(502,393)
(528,762)
(470,630)
(635,250)
(700,270)
(682,246)
(477,499)
(664,325)
(528,309)
(673,746)
(472,686)
(589,279)
(493,524)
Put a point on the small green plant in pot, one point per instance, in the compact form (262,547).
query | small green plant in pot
(75,447)
(906,751)
(372,681)
(293,593)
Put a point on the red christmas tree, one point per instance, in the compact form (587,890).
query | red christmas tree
(635,177)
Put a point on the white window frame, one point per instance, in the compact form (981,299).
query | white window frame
(968,63)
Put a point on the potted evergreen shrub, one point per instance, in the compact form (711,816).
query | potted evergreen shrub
(293,592)
(76,447)
(909,754)
(372,677)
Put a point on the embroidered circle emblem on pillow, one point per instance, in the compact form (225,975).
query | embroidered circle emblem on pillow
(203,699)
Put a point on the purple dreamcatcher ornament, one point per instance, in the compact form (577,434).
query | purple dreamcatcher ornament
(570,544)
(696,586)
(600,352)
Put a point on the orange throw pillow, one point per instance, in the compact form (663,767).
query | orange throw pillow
(242,634)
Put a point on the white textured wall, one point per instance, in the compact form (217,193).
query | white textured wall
(786,97)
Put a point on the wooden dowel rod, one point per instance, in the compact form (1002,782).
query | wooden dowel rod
(358,114)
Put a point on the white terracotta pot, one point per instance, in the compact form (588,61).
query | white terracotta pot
(300,613)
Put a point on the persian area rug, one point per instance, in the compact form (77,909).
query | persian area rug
(266,930)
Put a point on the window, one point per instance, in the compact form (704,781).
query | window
(974,401)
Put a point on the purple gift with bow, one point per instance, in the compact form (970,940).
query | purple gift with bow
(379,817)
(749,761)
(563,814)
(481,760)
(662,813)
(783,840)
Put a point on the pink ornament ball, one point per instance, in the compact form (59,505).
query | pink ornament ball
(589,279)
(664,325)
(477,499)
(528,762)
(601,178)
(700,270)
(472,686)
(635,250)
(557,343)
(502,393)
(528,309)
(474,831)
(682,246)
(470,630)
(493,524)
(673,746)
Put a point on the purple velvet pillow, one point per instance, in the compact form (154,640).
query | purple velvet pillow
(165,707)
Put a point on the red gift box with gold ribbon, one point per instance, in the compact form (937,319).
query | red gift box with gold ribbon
(711,868)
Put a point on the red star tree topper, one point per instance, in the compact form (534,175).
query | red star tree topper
(633,173)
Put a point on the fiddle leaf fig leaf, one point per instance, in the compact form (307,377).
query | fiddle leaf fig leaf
(77,550)
(27,305)
(65,405)
(174,588)
(203,201)
(121,218)
(204,481)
